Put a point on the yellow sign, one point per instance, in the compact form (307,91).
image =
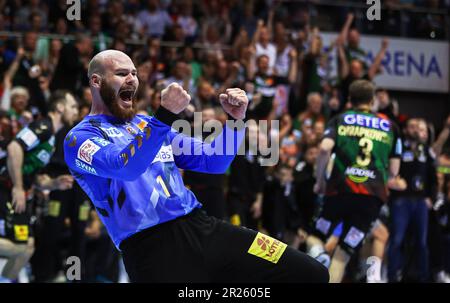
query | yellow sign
(83,214)
(54,208)
(21,232)
(267,248)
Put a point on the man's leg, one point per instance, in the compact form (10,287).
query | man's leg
(400,215)
(360,213)
(380,237)
(236,254)
(18,256)
(200,248)
(326,224)
(46,259)
(338,264)
(78,211)
(420,222)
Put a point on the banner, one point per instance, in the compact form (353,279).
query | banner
(409,64)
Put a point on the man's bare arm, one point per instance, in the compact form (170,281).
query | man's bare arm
(14,164)
(322,161)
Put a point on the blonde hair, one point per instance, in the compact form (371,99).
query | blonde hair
(20,91)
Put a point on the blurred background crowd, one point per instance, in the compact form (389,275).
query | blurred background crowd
(275,51)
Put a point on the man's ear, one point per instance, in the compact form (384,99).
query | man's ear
(60,107)
(96,80)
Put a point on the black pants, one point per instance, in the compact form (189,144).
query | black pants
(102,260)
(213,200)
(201,248)
(47,259)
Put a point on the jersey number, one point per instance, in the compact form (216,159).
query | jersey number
(160,181)
(364,157)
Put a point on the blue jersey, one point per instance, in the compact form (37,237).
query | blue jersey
(130,170)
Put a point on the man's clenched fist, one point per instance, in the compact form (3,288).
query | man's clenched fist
(234,102)
(174,98)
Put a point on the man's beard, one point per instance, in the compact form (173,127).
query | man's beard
(412,137)
(109,97)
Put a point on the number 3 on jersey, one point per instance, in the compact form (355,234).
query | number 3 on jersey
(364,157)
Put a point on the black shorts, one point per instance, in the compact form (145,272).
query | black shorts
(356,212)
(13,226)
(201,248)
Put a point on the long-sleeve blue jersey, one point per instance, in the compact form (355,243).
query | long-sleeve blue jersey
(130,170)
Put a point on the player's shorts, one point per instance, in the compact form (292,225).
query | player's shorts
(200,248)
(13,226)
(355,212)
(382,220)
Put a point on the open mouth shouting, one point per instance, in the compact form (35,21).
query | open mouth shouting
(126,96)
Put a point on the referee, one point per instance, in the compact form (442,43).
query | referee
(128,166)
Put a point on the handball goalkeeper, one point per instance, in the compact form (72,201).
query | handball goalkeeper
(128,166)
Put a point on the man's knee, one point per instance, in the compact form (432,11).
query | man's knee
(29,251)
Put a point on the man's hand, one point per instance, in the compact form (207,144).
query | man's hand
(397,183)
(234,101)
(174,98)
(63,182)
(20,52)
(302,235)
(384,43)
(18,200)
(293,54)
(429,203)
(256,209)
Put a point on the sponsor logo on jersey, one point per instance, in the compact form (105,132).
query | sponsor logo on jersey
(323,226)
(112,132)
(408,156)
(141,125)
(368,121)
(21,232)
(359,175)
(164,155)
(44,156)
(28,137)
(267,248)
(354,237)
(131,130)
(100,141)
(85,167)
(87,150)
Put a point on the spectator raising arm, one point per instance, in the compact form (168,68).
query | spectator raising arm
(442,138)
(374,68)
(343,64)
(344,31)
(293,67)
(5,103)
